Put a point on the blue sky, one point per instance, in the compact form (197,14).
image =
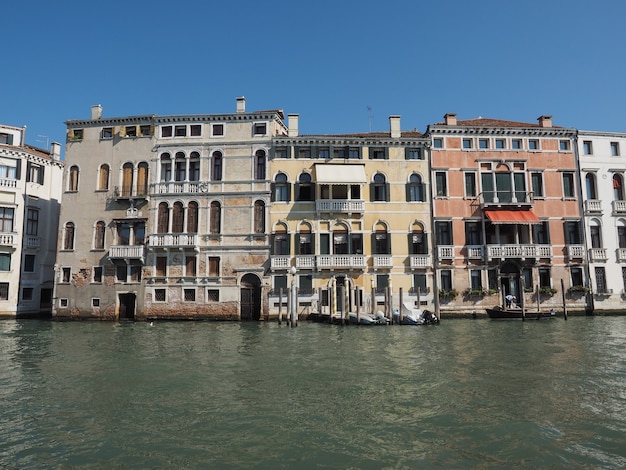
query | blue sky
(327,61)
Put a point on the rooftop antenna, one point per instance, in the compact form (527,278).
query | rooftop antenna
(369,112)
(43,139)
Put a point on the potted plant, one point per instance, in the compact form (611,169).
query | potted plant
(447,295)
(547,290)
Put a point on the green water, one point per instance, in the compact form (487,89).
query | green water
(463,394)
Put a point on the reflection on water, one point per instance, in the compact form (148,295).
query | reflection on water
(228,395)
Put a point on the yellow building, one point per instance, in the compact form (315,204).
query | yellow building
(350,213)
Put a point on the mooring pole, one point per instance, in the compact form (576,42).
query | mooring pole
(280,305)
(563,297)
(294,298)
(400,299)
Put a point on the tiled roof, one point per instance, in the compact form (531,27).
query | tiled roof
(28,148)
(487,122)
(375,135)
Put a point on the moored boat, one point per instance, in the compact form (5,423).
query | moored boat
(498,313)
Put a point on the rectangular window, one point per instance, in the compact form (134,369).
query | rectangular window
(354,153)
(470,184)
(476,282)
(77,134)
(533,144)
(441,183)
(544,277)
(304,153)
(214,266)
(568,185)
(305,284)
(121,273)
(4,291)
(212,295)
(438,143)
(600,279)
(131,131)
(516,144)
(615,149)
(473,233)
(624,278)
(5,262)
(190,266)
(135,273)
(95,302)
(536,180)
(382,282)
(145,131)
(29,263)
(280,282)
(377,154)
(339,153)
(527,278)
(159,295)
(577,276)
(107,133)
(66,274)
(8,171)
(260,129)
(280,152)
(32,221)
(564,145)
(483,143)
(414,154)
(446,279)
(419,283)
(324,153)
(572,233)
(189,295)
(541,233)
(587,147)
(444,232)
(217,130)
(195,130)
(166,131)
(500,144)
(161,266)
(180,131)
(467,143)
(34,174)
(97,274)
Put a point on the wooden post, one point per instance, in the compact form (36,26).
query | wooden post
(342,303)
(390,303)
(400,299)
(563,297)
(280,305)
(373,312)
(538,301)
(522,297)
(357,299)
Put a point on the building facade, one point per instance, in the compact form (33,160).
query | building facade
(30,195)
(350,217)
(506,214)
(602,172)
(176,225)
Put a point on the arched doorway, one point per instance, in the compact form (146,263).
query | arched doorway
(250,291)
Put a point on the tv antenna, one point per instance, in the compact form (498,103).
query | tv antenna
(369,112)
(43,139)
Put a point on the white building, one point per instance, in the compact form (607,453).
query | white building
(30,194)
(602,175)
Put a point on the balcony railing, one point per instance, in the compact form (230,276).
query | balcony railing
(31,241)
(597,254)
(621,255)
(305,261)
(280,262)
(130,192)
(127,252)
(619,207)
(7,239)
(445,252)
(340,261)
(575,251)
(475,251)
(340,206)
(8,183)
(175,240)
(420,261)
(593,206)
(177,187)
(519,251)
(506,198)
(383,261)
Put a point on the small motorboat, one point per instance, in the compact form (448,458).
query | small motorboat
(368,319)
(414,316)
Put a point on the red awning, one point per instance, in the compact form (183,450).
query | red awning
(512,217)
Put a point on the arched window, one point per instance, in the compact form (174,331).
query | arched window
(305,188)
(595,230)
(216,166)
(618,187)
(73,181)
(259,217)
(621,234)
(379,188)
(590,181)
(304,241)
(415,189)
(259,169)
(103,177)
(281,188)
(166,167)
(281,241)
(180,171)
(382,243)
(194,166)
(418,244)
(163,218)
(178,217)
(68,236)
(192,217)
(127,179)
(215,216)
(98,236)
(142,179)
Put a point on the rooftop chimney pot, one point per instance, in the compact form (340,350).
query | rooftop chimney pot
(450,119)
(96,111)
(545,121)
(241,104)
(292,124)
(394,126)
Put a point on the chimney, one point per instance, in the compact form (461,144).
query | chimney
(394,125)
(545,121)
(450,119)
(96,112)
(55,151)
(292,124)
(241,104)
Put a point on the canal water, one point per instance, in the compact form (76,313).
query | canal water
(462,394)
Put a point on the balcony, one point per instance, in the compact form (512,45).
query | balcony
(173,240)
(8,182)
(593,206)
(513,199)
(518,251)
(382,261)
(7,239)
(575,251)
(621,255)
(475,251)
(445,252)
(31,241)
(305,262)
(597,254)
(129,193)
(128,252)
(340,206)
(341,262)
(619,207)
(280,262)
(420,261)
(178,187)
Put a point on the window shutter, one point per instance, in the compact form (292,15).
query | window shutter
(273,192)
(387,192)
(40,175)
(18,168)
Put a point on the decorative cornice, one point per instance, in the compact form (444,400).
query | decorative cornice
(508,131)
(349,141)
